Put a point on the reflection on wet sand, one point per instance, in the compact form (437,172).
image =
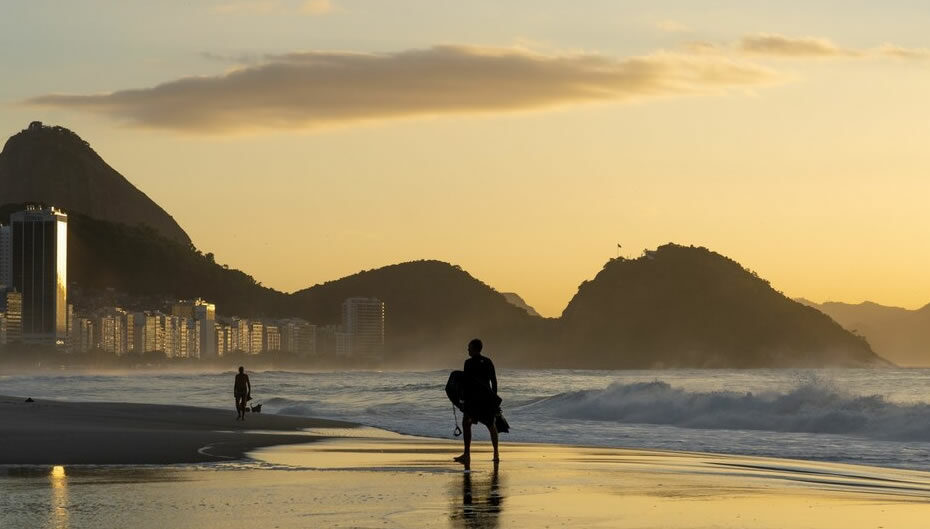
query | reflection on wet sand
(481,501)
(413,483)
(58,514)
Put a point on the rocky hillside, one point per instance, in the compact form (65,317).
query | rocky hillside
(686,306)
(52,165)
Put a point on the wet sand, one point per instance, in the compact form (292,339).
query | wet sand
(411,483)
(62,433)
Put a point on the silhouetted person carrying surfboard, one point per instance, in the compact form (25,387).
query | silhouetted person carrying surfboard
(481,403)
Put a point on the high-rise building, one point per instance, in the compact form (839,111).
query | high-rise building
(255,337)
(139,323)
(363,323)
(205,313)
(239,336)
(11,304)
(271,338)
(298,336)
(69,327)
(84,332)
(193,338)
(222,339)
(110,331)
(5,259)
(152,335)
(39,270)
(326,339)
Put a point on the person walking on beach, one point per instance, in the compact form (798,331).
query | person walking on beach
(481,401)
(243,392)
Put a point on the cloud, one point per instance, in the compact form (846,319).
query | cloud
(268,7)
(897,52)
(671,26)
(313,89)
(316,7)
(252,7)
(780,45)
(784,47)
(242,58)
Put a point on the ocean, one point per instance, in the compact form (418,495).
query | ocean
(861,416)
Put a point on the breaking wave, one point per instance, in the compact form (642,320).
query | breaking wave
(811,407)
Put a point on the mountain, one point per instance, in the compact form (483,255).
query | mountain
(52,165)
(514,299)
(898,334)
(687,306)
(142,263)
(676,306)
(432,309)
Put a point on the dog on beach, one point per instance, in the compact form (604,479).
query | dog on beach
(255,408)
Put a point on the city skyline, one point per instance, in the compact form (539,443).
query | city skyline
(528,192)
(37,310)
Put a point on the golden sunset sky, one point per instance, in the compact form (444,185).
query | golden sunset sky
(302,141)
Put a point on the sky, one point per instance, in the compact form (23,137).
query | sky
(303,141)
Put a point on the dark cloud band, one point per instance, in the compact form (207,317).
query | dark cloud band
(305,90)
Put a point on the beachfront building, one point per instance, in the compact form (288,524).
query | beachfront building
(342,344)
(39,259)
(150,331)
(255,337)
(11,304)
(5,259)
(129,333)
(111,331)
(326,339)
(239,336)
(83,341)
(223,338)
(204,313)
(363,325)
(298,336)
(194,338)
(271,338)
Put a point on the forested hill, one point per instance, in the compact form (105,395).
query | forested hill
(433,309)
(676,306)
(140,262)
(687,306)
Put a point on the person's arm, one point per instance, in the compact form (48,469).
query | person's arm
(249,384)
(493,377)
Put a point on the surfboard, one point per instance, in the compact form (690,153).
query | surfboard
(477,400)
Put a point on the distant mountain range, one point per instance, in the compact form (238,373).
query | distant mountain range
(900,335)
(514,299)
(676,306)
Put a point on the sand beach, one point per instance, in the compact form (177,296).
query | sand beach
(118,465)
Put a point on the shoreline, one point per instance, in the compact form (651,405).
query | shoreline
(52,432)
(97,464)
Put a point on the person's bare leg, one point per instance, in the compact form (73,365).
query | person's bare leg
(492,428)
(466,438)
